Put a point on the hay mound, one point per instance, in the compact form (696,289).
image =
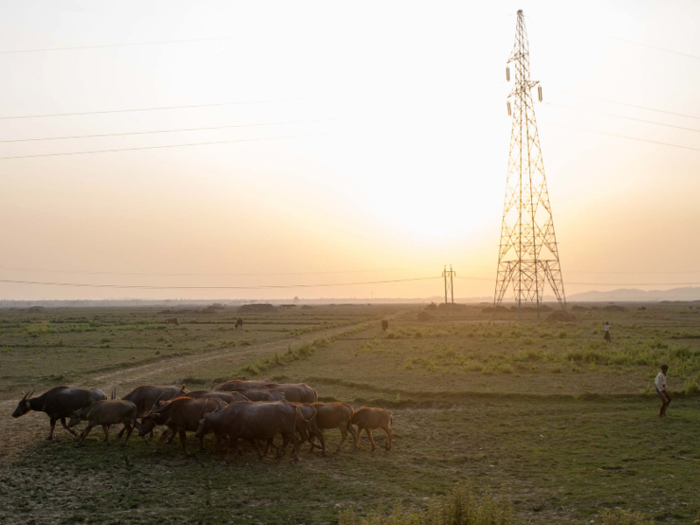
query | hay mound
(262,308)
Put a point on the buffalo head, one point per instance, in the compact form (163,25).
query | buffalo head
(23,407)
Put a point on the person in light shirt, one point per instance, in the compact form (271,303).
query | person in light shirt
(606,327)
(660,385)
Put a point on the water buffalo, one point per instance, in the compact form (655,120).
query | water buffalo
(385,325)
(106,413)
(263,394)
(299,393)
(254,422)
(368,419)
(307,427)
(181,415)
(145,396)
(239,323)
(172,320)
(226,397)
(334,415)
(242,384)
(59,403)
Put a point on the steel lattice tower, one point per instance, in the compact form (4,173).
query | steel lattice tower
(528,254)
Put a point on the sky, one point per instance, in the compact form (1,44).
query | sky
(355,143)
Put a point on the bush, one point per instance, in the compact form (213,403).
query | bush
(460,507)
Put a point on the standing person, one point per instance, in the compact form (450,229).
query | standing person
(606,327)
(660,385)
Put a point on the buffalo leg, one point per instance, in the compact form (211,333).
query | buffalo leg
(63,424)
(343,435)
(106,429)
(371,438)
(160,441)
(52,426)
(295,444)
(319,434)
(233,448)
(121,433)
(129,429)
(84,434)
(183,440)
(357,436)
(256,445)
(389,438)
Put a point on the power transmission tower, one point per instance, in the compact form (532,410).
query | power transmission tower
(528,252)
(448,276)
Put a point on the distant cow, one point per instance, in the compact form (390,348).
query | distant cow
(59,403)
(369,419)
(385,325)
(239,323)
(172,320)
(296,393)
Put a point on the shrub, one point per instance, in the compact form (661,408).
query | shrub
(460,507)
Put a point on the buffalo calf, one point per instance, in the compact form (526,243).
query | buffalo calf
(369,419)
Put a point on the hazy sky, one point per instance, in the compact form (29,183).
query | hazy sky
(402,171)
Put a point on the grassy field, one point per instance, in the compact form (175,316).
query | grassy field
(541,414)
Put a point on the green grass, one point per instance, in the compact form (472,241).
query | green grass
(556,427)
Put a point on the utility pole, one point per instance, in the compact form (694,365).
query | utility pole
(528,251)
(448,276)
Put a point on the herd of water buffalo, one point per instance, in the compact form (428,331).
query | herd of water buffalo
(253,411)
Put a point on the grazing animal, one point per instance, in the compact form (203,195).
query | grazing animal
(385,325)
(239,323)
(146,396)
(307,427)
(226,397)
(59,403)
(172,320)
(369,419)
(297,393)
(241,384)
(253,422)
(264,394)
(106,413)
(334,415)
(181,415)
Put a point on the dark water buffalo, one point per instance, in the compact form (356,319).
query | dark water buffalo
(181,415)
(368,419)
(241,384)
(307,427)
(239,323)
(334,415)
(145,396)
(254,422)
(385,325)
(59,403)
(299,393)
(226,397)
(263,394)
(106,413)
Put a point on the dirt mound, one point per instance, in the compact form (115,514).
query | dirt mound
(263,308)
(424,316)
(561,317)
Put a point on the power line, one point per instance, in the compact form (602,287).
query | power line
(69,153)
(687,55)
(211,274)
(615,135)
(596,284)
(103,46)
(623,117)
(162,108)
(626,104)
(149,287)
(173,130)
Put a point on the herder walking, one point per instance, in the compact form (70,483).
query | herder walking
(606,327)
(660,385)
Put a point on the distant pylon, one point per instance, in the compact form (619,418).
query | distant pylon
(528,254)
(448,276)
